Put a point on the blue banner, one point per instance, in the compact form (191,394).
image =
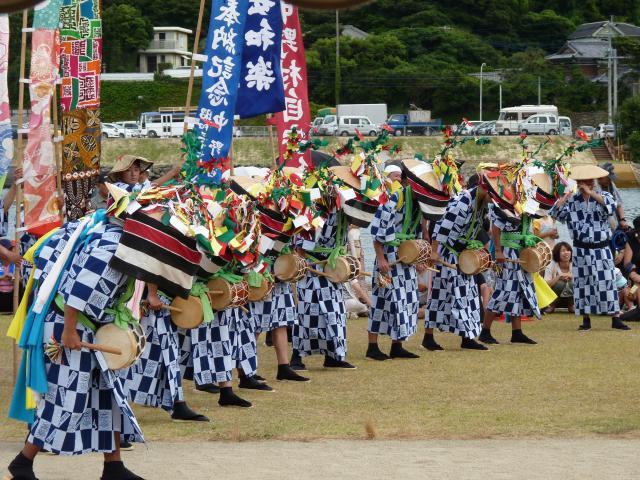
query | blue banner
(221,77)
(261,85)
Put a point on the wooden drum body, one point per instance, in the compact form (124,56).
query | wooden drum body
(190,315)
(258,294)
(233,294)
(130,342)
(472,262)
(347,269)
(412,252)
(535,259)
(290,268)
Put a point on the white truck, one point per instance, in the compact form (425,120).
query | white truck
(376,112)
(511,118)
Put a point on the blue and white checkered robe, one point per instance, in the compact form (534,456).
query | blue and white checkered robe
(594,286)
(155,380)
(244,353)
(277,311)
(85,404)
(514,292)
(205,352)
(322,315)
(395,309)
(454,304)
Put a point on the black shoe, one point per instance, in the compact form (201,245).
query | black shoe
(268,340)
(618,324)
(333,363)
(518,337)
(285,372)
(126,446)
(586,324)
(182,413)
(430,343)
(259,378)
(117,471)
(486,337)
(21,468)
(471,344)
(230,399)
(251,383)
(397,351)
(374,353)
(208,388)
(296,363)
(584,327)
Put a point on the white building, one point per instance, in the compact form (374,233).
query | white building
(169,45)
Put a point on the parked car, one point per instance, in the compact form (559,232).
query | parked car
(587,129)
(486,128)
(605,131)
(511,117)
(469,127)
(565,126)
(129,129)
(111,130)
(315,126)
(542,124)
(348,126)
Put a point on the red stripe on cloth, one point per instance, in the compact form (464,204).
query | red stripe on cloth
(271,223)
(162,239)
(429,193)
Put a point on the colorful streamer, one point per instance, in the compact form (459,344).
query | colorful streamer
(294,70)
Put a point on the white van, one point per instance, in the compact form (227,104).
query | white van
(541,124)
(510,118)
(565,126)
(348,126)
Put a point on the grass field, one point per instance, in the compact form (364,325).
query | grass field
(570,385)
(257,151)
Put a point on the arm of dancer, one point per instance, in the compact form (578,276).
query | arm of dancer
(383,265)
(70,337)
(152,297)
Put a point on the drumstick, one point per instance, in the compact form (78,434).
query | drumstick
(509,260)
(165,307)
(215,292)
(318,262)
(366,274)
(318,272)
(101,348)
(400,260)
(446,264)
(243,308)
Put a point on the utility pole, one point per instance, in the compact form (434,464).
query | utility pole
(615,84)
(338,79)
(481,68)
(539,91)
(500,89)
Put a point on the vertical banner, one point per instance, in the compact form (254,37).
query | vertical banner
(81,65)
(6,140)
(42,212)
(221,78)
(261,88)
(294,71)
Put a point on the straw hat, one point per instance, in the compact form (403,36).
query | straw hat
(587,172)
(500,190)
(124,163)
(423,172)
(345,174)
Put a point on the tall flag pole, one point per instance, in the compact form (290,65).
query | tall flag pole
(6,136)
(194,59)
(296,115)
(81,64)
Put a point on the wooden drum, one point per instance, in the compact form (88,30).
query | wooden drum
(290,268)
(130,342)
(472,262)
(190,315)
(412,252)
(347,269)
(535,259)
(257,294)
(233,294)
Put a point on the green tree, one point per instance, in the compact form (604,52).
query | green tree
(126,31)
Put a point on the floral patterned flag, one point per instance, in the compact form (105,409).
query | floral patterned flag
(6,142)
(40,196)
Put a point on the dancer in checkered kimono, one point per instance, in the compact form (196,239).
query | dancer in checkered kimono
(244,352)
(85,409)
(454,304)
(394,310)
(586,214)
(275,314)
(514,292)
(155,380)
(322,314)
(206,359)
